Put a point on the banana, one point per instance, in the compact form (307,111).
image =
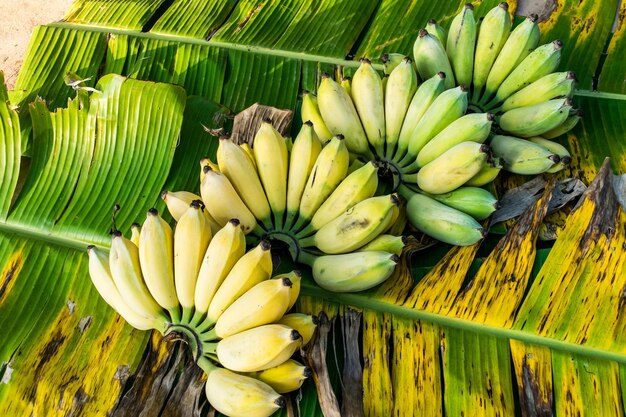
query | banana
(345,84)
(156,257)
(367,94)
(356,187)
(329,170)
(237,395)
(460,45)
(452,168)
(222,201)
(270,154)
(203,163)
(388,243)
(126,272)
(427,92)
(262,304)
(441,222)
(311,112)
(340,116)
(473,127)
(286,377)
(246,148)
(236,166)
(191,239)
(564,156)
(252,268)
(565,127)
(437,31)
(258,348)
(522,40)
(431,58)
(477,202)
(227,246)
(535,120)
(295,277)
(351,272)
(558,84)
(487,173)
(355,227)
(135,230)
(100,274)
(521,156)
(177,203)
(447,107)
(401,87)
(391,61)
(306,149)
(494,31)
(540,62)
(305,324)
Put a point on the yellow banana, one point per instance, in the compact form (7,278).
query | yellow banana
(561,151)
(487,173)
(286,377)
(388,243)
(296,279)
(177,203)
(461,43)
(437,31)
(305,324)
(345,84)
(431,58)
(204,162)
(493,33)
(535,120)
(401,88)
(246,148)
(311,112)
(558,84)
(135,230)
(191,239)
(521,156)
(367,94)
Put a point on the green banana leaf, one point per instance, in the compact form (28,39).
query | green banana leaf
(523,329)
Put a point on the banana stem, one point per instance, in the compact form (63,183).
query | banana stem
(278,220)
(205,364)
(209,348)
(186,334)
(408,160)
(258,231)
(288,238)
(174,314)
(405,191)
(209,336)
(307,231)
(205,325)
(307,241)
(197,318)
(187,314)
(307,258)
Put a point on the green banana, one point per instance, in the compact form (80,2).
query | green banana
(564,156)
(388,243)
(558,84)
(494,31)
(487,173)
(535,120)
(400,90)
(368,98)
(564,127)
(431,58)
(437,31)
(311,112)
(473,127)
(391,61)
(461,43)
(452,168)
(521,156)
(477,202)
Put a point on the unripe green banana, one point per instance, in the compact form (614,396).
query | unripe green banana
(477,202)
(340,116)
(447,107)
(461,43)
(311,112)
(355,227)
(304,153)
(286,377)
(542,61)
(437,31)
(558,84)
(564,127)
(351,272)
(561,151)
(441,222)
(401,87)
(388,243)
(473,127)
(452,168)
(535,120)
(487,173)
(237,395)
(426,93)
(367,94)
(494,31)
(258,348)
(305,324)
(431,58)
(521,156)
(522,40)
(391,61)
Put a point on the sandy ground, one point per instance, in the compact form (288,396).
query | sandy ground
(17,20)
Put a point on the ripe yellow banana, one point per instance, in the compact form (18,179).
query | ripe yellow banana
(437,31)
(222,201)
(236,166)
(477,202)
(473,127)
(367,94)
(340,116)
(401,88)
(487,173)
(135,230)
(311,112)
(100,274)
(558,84)
(345,84)
(305,324)
(535,120)
(258,348)
(177,203)
(460,45)
(286,377)
(351,272)
(238,395)
(453,168)
(430,58)
(246,148)
(569,123)
(561,151)
(252,268)
(156,257)
(227,246)
(521,156)
(355,227)
(191,239)
(295,277)
(494,31)
(204,162)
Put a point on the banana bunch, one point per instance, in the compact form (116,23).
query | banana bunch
(203,287)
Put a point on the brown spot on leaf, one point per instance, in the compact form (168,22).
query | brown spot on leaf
(8,275)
